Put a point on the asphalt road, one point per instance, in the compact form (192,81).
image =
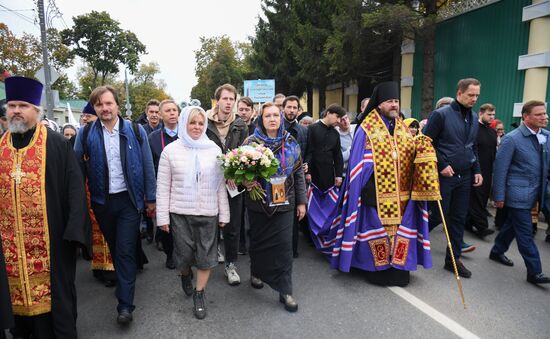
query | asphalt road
(500,303)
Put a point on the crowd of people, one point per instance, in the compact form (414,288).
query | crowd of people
(363,189)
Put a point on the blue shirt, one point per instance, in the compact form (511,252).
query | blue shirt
(111,141)
(171,133)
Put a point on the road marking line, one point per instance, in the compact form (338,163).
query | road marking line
(441,318)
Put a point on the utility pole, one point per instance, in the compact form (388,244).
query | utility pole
(47,71)
(128,104)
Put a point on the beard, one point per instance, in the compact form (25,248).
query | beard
(390,114)
(17,126)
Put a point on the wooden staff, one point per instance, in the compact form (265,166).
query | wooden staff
(458,282)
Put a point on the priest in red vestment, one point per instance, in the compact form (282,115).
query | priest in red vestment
(43,218)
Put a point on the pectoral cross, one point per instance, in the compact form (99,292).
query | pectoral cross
(17,174)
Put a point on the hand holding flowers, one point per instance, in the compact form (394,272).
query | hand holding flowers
(247,164)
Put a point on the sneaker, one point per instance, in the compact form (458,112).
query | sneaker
(290,303)
(466,248)
(462,270)
(221,257)
(199,304)
(256,282)
(231,274)
(187,283)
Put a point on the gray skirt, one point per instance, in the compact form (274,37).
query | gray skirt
(195,241)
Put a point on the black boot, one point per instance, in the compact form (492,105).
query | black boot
(187,283)
(199,303)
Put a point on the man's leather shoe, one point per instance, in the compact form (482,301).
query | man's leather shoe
(110,283)
(538,278)
(462,270)
(547,238)
(124,317)
(170,264)
(501,258)
(482,233)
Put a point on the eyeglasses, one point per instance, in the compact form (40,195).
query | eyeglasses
(500,129)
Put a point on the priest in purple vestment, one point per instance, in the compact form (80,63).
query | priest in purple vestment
(379,223)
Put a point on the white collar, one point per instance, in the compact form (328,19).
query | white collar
(115,127)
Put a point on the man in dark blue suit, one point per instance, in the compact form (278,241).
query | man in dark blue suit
(453,129)
(520,182)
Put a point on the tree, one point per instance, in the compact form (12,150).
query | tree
(355,52)
(218,61)
(273,54)
(66,88)
(23,56)
(99,40)
(19,56)
(85,76)
(144,87)
(413,20)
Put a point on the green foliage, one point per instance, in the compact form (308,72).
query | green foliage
(67,89)
(103,44)
(218,61)
(23,56)
(273,54)
(19,56)
(85,76)
(144,87)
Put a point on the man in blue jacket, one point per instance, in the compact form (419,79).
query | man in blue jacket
(116,159)
(520,181)
(453,129)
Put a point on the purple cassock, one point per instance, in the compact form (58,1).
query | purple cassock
(349,233)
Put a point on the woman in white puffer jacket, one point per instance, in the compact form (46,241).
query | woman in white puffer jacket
(192,201)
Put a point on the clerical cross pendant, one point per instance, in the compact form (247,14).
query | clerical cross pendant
(17,174)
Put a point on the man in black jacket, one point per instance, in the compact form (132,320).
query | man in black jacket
(158,139)
(476,221)
(324,156)
(228,131)
(291,107)
(453,129)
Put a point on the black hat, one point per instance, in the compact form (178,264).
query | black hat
(23,89)
(89,109)
(383,91)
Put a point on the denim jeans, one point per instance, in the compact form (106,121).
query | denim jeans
(119,221)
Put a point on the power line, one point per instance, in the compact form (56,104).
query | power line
(21,16)
(18,10)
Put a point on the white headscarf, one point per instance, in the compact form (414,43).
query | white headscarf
(203,142)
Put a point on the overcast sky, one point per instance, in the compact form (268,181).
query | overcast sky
(169,29)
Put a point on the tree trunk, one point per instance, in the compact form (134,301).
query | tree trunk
(322,99)
(309,90)
(343,95)
(396,59)
(428,71)
(94,81)
(428,36)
